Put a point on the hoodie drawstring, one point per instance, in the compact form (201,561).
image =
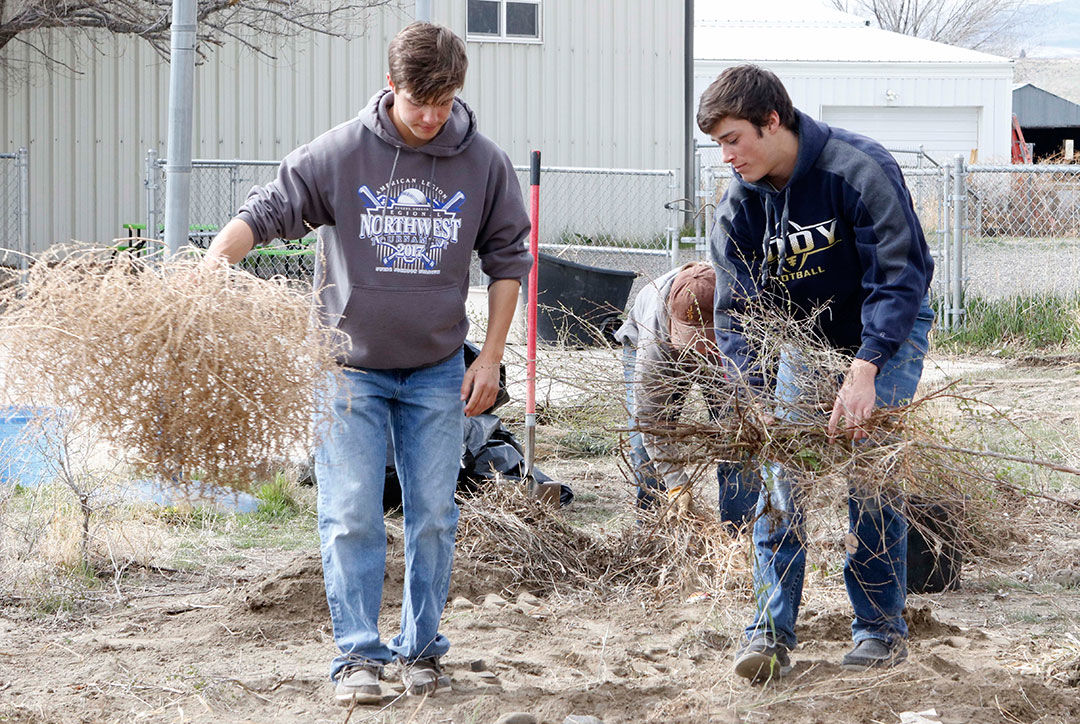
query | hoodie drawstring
(431,212)
(781,235)
(389,182)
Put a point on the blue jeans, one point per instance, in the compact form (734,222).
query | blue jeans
(423,411)
(737,495)
(875,576)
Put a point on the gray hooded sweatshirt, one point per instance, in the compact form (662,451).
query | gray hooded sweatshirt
(397,227)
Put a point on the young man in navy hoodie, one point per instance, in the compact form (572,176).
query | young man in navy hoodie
(401,196)
(819,216)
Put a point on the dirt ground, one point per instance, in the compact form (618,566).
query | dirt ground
(209,624)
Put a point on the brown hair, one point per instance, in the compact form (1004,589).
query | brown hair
(747,92)
(427,60)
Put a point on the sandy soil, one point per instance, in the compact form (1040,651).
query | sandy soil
(247,638)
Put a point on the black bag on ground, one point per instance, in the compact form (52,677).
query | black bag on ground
(490,451)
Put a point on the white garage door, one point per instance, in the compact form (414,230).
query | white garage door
(942,132)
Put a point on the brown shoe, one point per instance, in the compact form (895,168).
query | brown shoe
(875,654)
(423,676)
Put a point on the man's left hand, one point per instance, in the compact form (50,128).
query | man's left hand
(480,386)
(855,402)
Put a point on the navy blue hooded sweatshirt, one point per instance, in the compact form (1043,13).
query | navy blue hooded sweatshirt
(842,232)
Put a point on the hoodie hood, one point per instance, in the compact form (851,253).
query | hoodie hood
(455,136)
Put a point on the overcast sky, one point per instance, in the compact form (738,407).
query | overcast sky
(1051,27)
(1056,29)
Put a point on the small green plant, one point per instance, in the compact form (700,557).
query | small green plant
(53,602)
(276,501)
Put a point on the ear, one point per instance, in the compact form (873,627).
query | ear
(388,81)
(773,124)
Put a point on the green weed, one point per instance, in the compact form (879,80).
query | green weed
(276,500)
(1017,323)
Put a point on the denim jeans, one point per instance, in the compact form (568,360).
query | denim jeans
(423,411)
(875,576)
(737,495)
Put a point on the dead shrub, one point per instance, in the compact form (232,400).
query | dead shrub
(198,378)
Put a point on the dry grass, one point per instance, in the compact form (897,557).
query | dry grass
(199,378)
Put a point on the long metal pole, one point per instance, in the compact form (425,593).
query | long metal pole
(673,229)
(423,10)
(958,243)
(181,103)
(689,152)
(530,321)
(23,163)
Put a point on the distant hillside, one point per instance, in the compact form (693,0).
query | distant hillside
(1060,76)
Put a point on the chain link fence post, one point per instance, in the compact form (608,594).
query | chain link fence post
(22,163)
(708,199)
(150,182)
(234,187)
(945,247)
(956,271)
(673,228)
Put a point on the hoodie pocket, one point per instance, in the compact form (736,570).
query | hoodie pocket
(392,327)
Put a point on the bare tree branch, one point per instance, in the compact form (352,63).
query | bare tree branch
(989,25)
(251,22)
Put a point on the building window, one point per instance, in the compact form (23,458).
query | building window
(503,20)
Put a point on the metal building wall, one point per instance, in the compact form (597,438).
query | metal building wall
(602,89)
(930,85)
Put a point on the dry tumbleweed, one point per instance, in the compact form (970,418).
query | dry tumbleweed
(197,376)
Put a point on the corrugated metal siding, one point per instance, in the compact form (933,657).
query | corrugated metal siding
(604,89)
(1038,108)
(813,86)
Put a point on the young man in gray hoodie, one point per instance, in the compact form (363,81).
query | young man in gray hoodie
(401,196)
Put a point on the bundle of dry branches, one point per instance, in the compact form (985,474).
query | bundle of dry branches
(200,377)
(666,556)
(908,457)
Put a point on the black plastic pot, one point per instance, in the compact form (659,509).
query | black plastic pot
(578,305)
(934,557)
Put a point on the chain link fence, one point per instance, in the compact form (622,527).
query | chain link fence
(609,218)
(1023,230)
(218,189)
(14,211)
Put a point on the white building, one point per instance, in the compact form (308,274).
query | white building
(596,83)
(905,92)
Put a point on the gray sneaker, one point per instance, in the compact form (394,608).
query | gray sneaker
(423,676)
(875,653)
(359,684)
(762,658)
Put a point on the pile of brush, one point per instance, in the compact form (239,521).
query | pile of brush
(199,377)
